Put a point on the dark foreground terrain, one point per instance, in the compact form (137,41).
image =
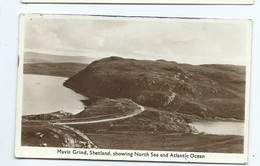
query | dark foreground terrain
(144,105)
(59,136)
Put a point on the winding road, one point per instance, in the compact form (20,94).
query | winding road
(105,120)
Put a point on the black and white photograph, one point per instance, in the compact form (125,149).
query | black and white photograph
(133,88)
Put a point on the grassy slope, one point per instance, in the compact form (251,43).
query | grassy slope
(146,122)
(168,142)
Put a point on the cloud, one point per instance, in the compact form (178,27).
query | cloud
(186,41)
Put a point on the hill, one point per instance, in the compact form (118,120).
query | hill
(53,69)
(206,91)
(33,57)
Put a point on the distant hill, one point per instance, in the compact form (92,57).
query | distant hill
(206,91)
(32,57)
(53,69)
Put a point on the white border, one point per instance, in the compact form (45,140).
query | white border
(38,152)
(249,2)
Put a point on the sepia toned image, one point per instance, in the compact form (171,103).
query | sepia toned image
(145,1)
(133,88)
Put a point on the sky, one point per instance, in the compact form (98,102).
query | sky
(182,40)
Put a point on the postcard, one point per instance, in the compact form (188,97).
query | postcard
(145,1)
(133,88)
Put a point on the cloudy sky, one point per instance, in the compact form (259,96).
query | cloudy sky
(184,41)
